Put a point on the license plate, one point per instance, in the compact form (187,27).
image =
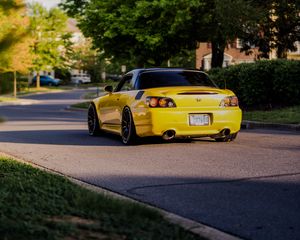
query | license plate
(198,119)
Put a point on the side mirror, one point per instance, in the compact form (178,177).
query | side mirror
(108,89)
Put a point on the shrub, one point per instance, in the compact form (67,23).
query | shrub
(264,84)
(6,83)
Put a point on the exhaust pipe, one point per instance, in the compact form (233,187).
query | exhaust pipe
(225,132)
(168,135)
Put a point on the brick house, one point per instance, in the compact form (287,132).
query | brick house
(232,55)
(296,54)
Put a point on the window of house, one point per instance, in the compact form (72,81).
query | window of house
(239,43)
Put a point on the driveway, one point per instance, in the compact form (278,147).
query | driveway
(249,188)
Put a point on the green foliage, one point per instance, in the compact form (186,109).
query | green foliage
(264,84)
(277,28)
(14,37)
(52,45)
(152,32)
(37,205)
(227,20)
(147,32)
(6,83)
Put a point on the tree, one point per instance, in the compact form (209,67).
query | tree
(52,45)
(153,31)
(86,58)
(226,21)
(14,39)
(278,28)
(136,30)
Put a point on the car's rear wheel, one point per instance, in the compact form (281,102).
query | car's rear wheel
(228,138)
(128,129)
(93,121)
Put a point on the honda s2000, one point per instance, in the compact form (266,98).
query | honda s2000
(171,103)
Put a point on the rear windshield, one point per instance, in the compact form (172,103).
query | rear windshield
(155,79)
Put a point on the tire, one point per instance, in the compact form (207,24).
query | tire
(128,128)
(229,138)
(50,84)
(93,121)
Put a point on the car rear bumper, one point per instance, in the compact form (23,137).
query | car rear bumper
(155,122)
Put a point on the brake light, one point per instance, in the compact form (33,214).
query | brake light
(231,101)
(160,102)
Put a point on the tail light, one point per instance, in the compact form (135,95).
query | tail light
(160,102)
(231,101)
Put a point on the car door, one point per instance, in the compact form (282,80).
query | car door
(111,109)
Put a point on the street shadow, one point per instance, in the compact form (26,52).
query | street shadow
(58,137)
(77,138)
(261,208)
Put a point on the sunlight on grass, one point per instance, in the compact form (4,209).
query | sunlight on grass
(37,205)
(41,90)
(7,99)
(82,105)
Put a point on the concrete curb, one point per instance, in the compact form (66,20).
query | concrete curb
(199,229)
(274,126)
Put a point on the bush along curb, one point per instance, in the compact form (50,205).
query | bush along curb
(273,126)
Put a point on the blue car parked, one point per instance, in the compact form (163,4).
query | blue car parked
(47,81)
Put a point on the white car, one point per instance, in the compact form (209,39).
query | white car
(80,79)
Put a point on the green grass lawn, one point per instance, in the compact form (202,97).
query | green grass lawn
(37,205)
(7,99)
(82,105)
(290,115)
(42,90)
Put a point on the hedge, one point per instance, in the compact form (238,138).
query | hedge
(7,83)
(263,84)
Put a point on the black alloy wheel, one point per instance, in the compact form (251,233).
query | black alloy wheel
(93,121)
(128,129)
(228,138)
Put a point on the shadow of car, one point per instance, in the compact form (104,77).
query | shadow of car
(47,81)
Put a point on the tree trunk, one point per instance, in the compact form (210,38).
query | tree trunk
(38,82)
(281,52)
(15,84)
(218,48)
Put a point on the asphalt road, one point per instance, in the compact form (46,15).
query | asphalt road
(250,187)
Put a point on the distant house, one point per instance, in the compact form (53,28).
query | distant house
(296,54)
(232,55)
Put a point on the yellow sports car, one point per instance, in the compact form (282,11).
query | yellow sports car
(171,103)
